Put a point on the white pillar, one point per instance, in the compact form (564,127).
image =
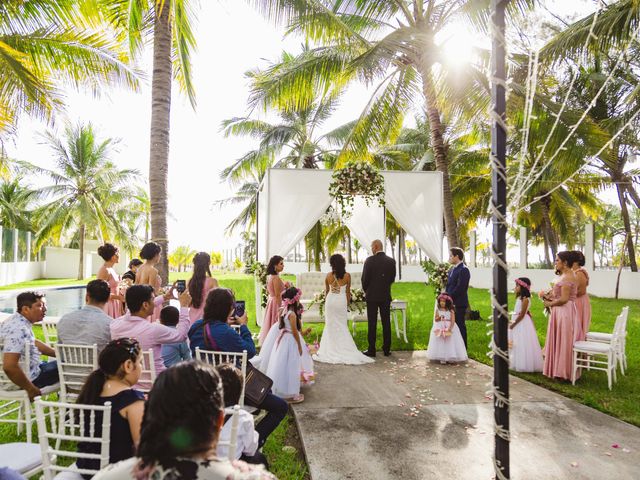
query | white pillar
(15,245)
(524,248)
(472,249)
(589,246)
(28,246)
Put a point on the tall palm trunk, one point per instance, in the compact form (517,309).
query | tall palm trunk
(548,230)
(440,154)
(81,262)
(160,124)
(348,247)
(627,227)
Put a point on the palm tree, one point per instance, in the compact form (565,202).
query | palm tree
(86,189)
(16,203)
(360,40)
(181,257)
(169,23)
(46,44)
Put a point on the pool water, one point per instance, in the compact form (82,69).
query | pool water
(59,300)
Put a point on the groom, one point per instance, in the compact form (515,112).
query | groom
(378,274)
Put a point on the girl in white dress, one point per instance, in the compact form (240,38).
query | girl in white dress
(525,354)
(336,344)
(290,364)
(446,343)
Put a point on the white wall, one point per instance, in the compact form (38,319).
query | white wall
(11,272)
(63,262)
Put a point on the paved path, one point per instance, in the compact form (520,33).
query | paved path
(357,423)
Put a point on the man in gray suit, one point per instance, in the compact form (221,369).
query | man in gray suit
(378,274)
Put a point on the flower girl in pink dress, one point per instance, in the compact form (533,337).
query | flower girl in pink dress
(446,343)
(525,354)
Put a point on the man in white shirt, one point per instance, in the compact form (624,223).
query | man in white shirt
(90,324)
(16,334)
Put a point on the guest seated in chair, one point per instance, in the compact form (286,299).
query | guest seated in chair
(247,440)
(213,332)
(180,430)
(16,334)
(120,365)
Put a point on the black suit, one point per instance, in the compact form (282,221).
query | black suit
(378,274)
(457,286)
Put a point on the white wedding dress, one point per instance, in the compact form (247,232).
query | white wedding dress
(336,344)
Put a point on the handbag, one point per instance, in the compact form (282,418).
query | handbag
(256,383)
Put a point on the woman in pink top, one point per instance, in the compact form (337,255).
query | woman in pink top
(564,327)
(583,305)
(199,284)
(111,256)
(275,287)
(147,273)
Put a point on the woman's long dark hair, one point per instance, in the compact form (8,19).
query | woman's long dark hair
(181,416)
(218,305)
(273,261)
(110,364)
(338,266)
(289,294)
(201,270)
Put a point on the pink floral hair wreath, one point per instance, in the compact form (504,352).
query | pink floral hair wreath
(523,284)
(292,301)
(444,296)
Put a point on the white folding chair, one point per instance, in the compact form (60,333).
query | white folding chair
(232,443)
(234,358)
(148,373)
(58,438)
(597,356)
(75,363)
(50,331)
(22,457)
(621,325)
(15,406)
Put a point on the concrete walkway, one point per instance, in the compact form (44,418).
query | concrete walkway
(405,418)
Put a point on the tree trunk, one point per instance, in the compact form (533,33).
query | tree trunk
(160,127)
(348,247)
(81,262)
(548,227)
(547,259)
(440,154)
(627,227)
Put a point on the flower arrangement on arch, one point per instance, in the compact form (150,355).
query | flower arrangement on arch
(358,302)
(259,270)
(437,273)
(356,178)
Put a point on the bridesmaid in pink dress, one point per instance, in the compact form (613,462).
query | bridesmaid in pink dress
(275,287)
(583,305)
(111,256)
(199,284)
(147,273)
(564,327)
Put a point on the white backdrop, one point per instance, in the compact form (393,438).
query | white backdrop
(366,223)
(291,201)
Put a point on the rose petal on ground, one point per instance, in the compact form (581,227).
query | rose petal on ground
(574,464)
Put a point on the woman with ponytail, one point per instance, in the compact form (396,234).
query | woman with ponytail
(119,369)
(180,431)
(199,285)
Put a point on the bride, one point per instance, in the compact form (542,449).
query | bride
(336,344)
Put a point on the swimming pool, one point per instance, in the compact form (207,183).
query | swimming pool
(59,300)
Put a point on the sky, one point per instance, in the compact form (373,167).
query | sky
(231,39)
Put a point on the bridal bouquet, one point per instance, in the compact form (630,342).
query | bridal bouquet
(318,298)
(358,302)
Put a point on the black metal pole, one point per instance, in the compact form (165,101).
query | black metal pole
(499,202)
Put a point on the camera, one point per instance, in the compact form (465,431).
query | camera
(181,286)
(240,308)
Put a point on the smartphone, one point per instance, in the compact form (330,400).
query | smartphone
(240,307)
(181,286)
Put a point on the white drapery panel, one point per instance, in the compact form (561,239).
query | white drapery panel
(295,200)
(366,223)
(415,201)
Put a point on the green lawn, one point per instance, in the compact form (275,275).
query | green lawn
(590,390)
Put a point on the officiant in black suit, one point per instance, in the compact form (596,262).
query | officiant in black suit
(457,286)
(378,273)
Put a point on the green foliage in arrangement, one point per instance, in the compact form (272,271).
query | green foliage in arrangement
(437,274)
(356,178)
